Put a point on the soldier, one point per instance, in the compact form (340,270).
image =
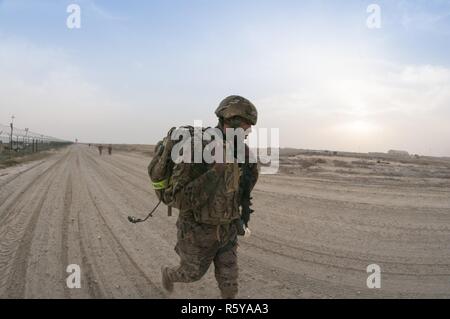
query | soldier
(100,149)
(209,219)
(109,149)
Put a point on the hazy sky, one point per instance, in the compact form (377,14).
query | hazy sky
(313,69)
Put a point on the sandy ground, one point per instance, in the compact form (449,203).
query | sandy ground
(314,233)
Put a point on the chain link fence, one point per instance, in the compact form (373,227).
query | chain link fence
(17,141)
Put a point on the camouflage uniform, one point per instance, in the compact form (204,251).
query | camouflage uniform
(207,224)
(198,245)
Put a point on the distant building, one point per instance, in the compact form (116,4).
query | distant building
(398,153)
(376,154)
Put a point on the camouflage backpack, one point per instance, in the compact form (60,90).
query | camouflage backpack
(165,180)
(160,170)
(161,167)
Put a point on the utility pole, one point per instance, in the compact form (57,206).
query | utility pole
(12,130)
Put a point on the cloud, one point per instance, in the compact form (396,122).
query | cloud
(364,105)
(318,97)
(49,94)
(105,14)
(429,16)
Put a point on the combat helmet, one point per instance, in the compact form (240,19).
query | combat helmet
(235,105)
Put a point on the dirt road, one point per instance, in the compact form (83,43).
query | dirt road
(312,237)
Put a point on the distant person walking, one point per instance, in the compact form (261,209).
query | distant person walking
(100,149)
(109,149)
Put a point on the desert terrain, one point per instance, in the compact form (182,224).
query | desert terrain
(317,225)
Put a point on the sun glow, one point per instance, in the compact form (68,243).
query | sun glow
(358,127)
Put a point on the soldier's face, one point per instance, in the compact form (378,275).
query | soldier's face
(246,126)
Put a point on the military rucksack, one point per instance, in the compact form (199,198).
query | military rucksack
(164,181)
(161,166)
(160,171)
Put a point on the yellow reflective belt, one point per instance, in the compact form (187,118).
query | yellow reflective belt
(161,184)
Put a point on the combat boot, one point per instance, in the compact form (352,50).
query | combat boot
(166,282)
(227,294)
